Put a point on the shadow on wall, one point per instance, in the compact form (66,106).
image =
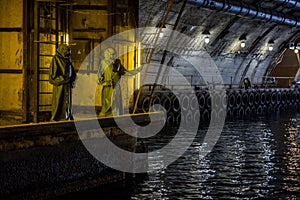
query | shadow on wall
(84,90)
(86,96)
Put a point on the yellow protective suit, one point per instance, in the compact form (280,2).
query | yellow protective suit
(109,75)
(61,76)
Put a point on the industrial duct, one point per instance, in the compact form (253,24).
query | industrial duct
(247,11)
(289,3)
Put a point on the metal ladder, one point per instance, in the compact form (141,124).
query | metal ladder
(48,25)
(165,52)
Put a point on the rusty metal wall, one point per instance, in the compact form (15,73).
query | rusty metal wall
(91,25)
(11,55)
(28,42)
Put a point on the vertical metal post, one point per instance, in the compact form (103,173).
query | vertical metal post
(164,18)
(160,69)
(56,25)
(111,17)
(26,71)
(34,90)
(136,48)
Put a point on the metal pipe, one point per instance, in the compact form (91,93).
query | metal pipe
(289,3)
(247,11)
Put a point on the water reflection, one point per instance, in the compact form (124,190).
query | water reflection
(287,156)
(252,159)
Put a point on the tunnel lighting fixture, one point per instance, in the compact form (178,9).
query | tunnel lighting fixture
(271,45)
(243,43)
(294,46)
(243,40)
(161,27)
(206,39)
(206,34)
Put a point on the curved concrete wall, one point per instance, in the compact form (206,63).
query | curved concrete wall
(233,61)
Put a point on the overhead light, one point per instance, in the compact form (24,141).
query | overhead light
(271,45)
(206,39)
(243,40)
(160,26)
(243,44)
(271,48)
(292,45)
(206,34)
(161,34)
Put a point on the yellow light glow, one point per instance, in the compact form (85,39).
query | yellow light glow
(67,38)
(139,64)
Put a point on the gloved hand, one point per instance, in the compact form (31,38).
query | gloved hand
(106,83)
(67,80)
(116,65)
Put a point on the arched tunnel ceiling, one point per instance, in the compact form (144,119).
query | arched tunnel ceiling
(234,62)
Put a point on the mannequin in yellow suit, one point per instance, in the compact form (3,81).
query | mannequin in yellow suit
(109,75)
(62,76)
(108,78)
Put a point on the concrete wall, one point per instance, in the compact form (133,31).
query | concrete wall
(49,159)
(234,62)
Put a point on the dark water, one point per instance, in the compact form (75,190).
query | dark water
(253,159)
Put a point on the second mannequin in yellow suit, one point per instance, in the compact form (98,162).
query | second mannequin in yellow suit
(109,74)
